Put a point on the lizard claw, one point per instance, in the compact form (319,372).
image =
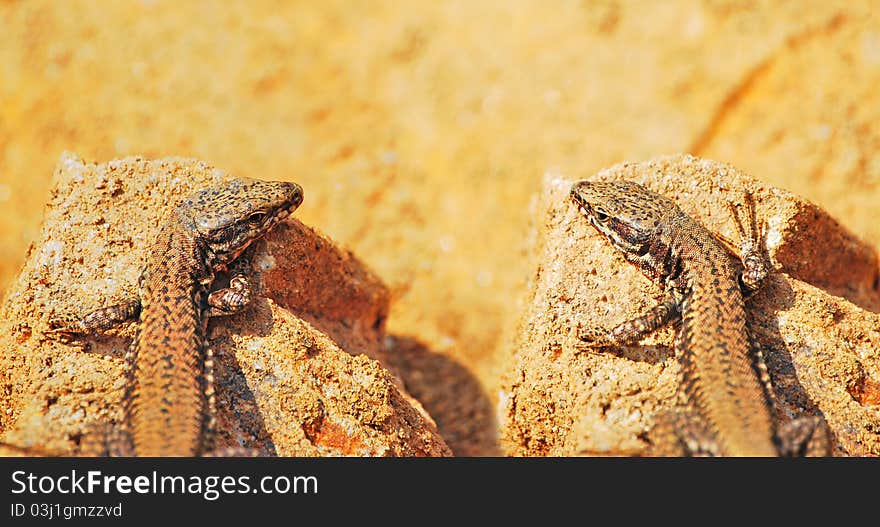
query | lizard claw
(65,330)
(754,272)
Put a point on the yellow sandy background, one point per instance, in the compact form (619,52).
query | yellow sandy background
(422,130)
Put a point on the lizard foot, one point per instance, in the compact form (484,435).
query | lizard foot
(805,436)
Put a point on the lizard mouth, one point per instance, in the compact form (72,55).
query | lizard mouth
(293,202)
(581,203)
(229,245)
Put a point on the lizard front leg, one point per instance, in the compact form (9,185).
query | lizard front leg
(235,298)
(756,265)
(675,432)
(806,435)
(631,331)
(96,322)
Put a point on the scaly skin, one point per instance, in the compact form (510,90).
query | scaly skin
(169,396)
(725,385)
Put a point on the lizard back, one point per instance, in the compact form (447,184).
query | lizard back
(714,347)
(166,405)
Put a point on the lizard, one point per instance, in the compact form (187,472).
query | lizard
(169,397)
(726,396)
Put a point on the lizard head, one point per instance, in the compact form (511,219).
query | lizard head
(627,213)
(229,217)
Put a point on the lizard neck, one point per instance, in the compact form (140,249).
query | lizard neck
(661,259)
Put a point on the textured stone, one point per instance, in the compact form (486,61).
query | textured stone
(816,320)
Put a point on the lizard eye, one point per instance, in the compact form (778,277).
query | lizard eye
(600,214)
(257,217)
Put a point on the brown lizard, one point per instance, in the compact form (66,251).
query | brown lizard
(169,399)
(726,390)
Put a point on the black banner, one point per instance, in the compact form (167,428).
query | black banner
(231,489)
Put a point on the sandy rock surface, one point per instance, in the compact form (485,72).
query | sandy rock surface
(296,371)
(816,320)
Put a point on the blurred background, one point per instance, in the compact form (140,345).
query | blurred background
(421,130)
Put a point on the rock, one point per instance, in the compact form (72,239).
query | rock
(291,373)
(816,320)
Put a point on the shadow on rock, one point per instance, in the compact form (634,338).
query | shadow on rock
(326,285)
(239,420)
(450,393)
(776,295)
(838,262)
